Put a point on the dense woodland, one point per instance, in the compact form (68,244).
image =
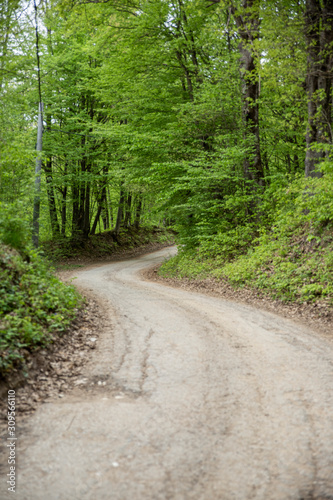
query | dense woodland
(210,117)
(191,112)
(213,117)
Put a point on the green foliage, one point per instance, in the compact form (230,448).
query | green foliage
(145,115)
(35,306)
(291,259)
(105,244)
(14,231)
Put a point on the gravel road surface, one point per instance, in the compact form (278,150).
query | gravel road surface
(186,397)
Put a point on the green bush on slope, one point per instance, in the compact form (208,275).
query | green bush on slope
(291,259)
(35,306)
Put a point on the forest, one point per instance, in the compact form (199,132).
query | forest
(209,117)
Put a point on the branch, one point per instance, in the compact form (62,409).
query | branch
(213,2)
(117,6)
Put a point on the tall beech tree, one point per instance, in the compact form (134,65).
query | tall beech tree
(319,38)
(247,20)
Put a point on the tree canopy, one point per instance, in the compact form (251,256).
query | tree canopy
(191,112)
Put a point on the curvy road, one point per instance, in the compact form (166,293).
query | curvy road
(186,397)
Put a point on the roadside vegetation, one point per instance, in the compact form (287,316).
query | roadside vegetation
(36,308)
(102,246)
(288,253)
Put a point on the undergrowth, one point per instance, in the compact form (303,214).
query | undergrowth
(106,243)
(35,307)
(290,257)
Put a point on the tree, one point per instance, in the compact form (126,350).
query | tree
(16,70)
(319,38)
(247,20)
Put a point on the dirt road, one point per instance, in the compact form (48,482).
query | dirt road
(187,397)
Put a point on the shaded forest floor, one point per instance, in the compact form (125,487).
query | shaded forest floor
(106,247)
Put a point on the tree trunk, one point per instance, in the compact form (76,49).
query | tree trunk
(105,205)
(128,206)
(64,205)
(138,214)
(101,206)
(82,194)
(51,198)
(75,206)
(120,212)
(50,189)
(36,207)
(248,29)
(86,215)
(93,227)
(319,39)
(81,225)
(108,217)
(64,211)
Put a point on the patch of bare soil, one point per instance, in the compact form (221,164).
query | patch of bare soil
(53,370)
(318,316)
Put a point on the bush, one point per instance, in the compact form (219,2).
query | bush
(35,306)
(289,254)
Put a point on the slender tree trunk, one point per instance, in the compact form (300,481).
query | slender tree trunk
(138,214)
(183,64)
(51,198)
(105,216)
(128,207)
(94,226)
(75,207)
(50,189)
(248,21)
(105,210)
(319,39)
(108,220)
(36,209)
(101,206)
(64,205)
(86,215)
(82,223)
(39,147)
(82,195)
(120,212)
(64,211)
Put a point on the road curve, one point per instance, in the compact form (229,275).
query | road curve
(198,399)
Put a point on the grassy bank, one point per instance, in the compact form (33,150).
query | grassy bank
(35,307)
(290,256)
